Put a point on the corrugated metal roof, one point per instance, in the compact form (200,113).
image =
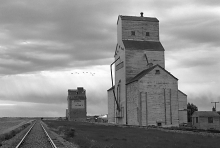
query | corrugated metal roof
(146,71)
(143,45)
(205,114)
(138,18)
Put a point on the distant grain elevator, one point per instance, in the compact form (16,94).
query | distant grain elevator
(76,104)
(144,92)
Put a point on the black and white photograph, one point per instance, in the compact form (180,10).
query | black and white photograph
(109,74)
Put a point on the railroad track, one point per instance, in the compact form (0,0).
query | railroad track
(36,137)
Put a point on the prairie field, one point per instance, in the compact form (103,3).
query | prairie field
(7,123)
(105,136)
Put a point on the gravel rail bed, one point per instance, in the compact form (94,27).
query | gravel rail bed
(36,138)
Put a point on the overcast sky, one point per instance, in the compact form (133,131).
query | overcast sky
(50,46)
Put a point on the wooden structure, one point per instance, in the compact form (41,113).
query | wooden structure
(206,120)
(76,104)
(145,93)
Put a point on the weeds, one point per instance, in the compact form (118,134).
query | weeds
(70,133)
(12,133)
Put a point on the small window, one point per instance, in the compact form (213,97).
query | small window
(159,124)
(133,33)
(157,72)
(210,120)
(196,119)
(147,33)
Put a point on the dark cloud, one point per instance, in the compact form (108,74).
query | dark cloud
(64,35)
(78,31)
(192,31)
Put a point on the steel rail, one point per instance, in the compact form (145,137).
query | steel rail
(50,140)
(22,140)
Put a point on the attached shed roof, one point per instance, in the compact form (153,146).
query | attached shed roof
(182,92)
(138,18)
(111,88)
(205,114)
(146,71)
(143,45)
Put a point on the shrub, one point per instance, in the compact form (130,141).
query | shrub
(13,133)
(70,133)
(8,136)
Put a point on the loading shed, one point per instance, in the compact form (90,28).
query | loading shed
(206,120)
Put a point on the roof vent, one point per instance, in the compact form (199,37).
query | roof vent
(142,14)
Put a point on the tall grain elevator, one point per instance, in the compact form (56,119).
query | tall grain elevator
(76,104)
(143,92)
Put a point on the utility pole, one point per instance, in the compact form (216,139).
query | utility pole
(215,104)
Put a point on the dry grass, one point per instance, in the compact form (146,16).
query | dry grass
(100,136)
(7,123)
(9,127)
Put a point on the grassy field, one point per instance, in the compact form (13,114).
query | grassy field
(9,127)
(7,123)
(100,136)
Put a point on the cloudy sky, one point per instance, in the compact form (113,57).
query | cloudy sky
(47,46)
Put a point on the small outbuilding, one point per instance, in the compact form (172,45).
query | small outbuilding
(206,120)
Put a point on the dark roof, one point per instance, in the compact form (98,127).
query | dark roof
(182,92)
(111,88)
(76,97)
(143,45)
(138,18)
(141,74)
(205,114)
(146,71)
(80,89)
(72,90)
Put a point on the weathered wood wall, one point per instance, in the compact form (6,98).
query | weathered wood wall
(136,61)
(77,114)
(120,81)
(182,116)
(120,73)
(182,107)
(140,28)
(133,103)
(162,99)
(203,123)
(182,101)
(111,107)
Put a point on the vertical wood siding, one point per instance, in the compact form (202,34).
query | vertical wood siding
(162,99)
(133,103)
(111,107)
(182,107)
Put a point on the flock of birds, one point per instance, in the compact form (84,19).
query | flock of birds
(85,73)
